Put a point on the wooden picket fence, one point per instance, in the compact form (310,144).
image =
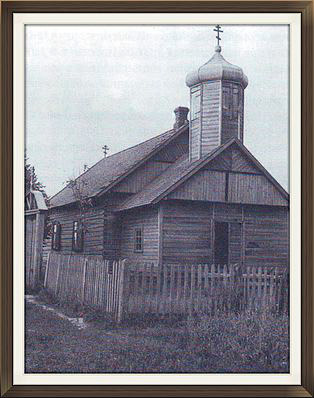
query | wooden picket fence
(86,280)
(123,289)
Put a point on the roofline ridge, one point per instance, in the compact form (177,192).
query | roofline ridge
(126,149)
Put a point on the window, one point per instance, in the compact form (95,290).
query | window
(56,236)
(77,237)
(195,105)
(138,240)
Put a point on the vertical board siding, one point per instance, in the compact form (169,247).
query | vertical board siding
(205,185)
(246,184)
(240,162)
(245,188)
(147,219)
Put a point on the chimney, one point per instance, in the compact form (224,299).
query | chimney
(181,113)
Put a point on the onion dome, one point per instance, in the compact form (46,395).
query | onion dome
(217,68)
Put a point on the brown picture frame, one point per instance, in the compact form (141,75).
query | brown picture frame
(306,389)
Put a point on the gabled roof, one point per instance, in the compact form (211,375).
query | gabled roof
(35,200)
(184,169)
(112,169)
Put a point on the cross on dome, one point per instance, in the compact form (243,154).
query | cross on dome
(218,32)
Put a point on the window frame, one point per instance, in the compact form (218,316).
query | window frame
(56,236)
(77,237)
(138,249)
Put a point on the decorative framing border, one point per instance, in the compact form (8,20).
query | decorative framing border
(8,8)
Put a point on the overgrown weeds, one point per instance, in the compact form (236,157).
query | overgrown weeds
(245,342)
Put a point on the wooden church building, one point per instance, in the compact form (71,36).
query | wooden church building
(192,195)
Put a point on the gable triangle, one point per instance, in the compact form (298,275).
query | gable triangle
(233,159)
(241,163)
(221,162)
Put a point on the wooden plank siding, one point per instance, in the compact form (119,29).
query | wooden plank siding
(94,221)
(205,127)
(151,169)
(258,235)
(142,176)
(186,234)
(210,120)
(230,186)
(241,163)
(205,185)
(174,150)
(195,126)
(147,219)
(245,188)
(233,160)
(232,111)
(267,235)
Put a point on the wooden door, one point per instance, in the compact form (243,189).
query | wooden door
(227,242)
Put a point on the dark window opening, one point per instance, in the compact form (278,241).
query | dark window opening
(252,245)
(221,250)
(138,240)
(77,237)
(56,236)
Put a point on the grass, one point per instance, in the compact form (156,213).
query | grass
(237,343)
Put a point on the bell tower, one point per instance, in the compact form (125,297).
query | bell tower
(216,103)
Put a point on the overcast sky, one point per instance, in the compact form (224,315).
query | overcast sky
(87,86)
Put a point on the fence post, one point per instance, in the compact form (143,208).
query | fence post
(58,273)
(46,270)
(123,296)
(84,280)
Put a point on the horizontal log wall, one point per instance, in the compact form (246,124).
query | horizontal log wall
(266,235)
(258,234)
(186,233)
(147,219)
(94,222)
